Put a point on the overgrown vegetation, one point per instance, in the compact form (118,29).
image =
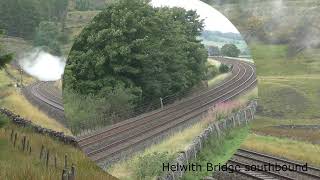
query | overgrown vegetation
(49,37)
(217,150)
(285,47)
(11,98)
(19,165)
(140,62)
(168,149)
(20,18)
(287,148)
(4,57)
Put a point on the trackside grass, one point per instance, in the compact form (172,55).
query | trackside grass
(217,151)
(288,95)
(286,148)
(11,98)
(148,164)
(18,165)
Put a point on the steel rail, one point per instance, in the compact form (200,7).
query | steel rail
(101,157)
(161,123)
(135,119)
(143,121)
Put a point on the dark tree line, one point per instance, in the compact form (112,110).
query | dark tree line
(4,57)
(230,50)
(21,17)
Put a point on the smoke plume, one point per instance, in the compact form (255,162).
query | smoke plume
(42,65)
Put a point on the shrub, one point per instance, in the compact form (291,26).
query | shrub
(3,121)
(223,68)
(150,165)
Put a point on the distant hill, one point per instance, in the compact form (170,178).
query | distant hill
(216,38)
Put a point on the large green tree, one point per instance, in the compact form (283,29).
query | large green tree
(149,52)
(230,50)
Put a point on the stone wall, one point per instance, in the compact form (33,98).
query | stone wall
(20,121)
(240,118)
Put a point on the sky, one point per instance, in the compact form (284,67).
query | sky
(214,20)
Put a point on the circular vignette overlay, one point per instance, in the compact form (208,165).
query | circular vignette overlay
(140,72)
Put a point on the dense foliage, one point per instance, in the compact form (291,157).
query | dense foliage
(131,46)
(82,5)
(4,58)
(230,50)
(50,37)
(22,17)
(213,50)
(223,68)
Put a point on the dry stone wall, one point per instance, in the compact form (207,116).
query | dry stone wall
(20,121)
(218,129)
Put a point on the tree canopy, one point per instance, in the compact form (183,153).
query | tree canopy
(149,52)
(49,37)
(213,51)
(4,58)
(21,17)
(230,50)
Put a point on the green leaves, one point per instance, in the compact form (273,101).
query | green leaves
(151,52)
(49,36)
(4,58)
(230,50)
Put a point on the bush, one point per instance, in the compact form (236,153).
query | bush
(3,121)
(212,71)
(223,68)
(89,111)
(150,165)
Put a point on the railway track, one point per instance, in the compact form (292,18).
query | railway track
(47,97)
(104,145)
(264,165)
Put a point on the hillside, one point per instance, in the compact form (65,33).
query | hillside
(215,38)
(283,36)
(22,165)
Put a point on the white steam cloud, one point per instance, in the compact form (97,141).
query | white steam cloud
(43,65)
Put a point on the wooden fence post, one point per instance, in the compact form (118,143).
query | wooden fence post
(55,161)
(27,147)
(72,173)
(30,149)
(11,135)
(48,157)
(41,151)
(15,139)
(65,161)
(64,174)
(24,143)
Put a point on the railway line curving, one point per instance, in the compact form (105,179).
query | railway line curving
(102,145)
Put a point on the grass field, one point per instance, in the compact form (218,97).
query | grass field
(286,148)
(11,98)
(19,165)
(289,94)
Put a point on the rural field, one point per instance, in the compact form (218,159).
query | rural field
(288,95)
